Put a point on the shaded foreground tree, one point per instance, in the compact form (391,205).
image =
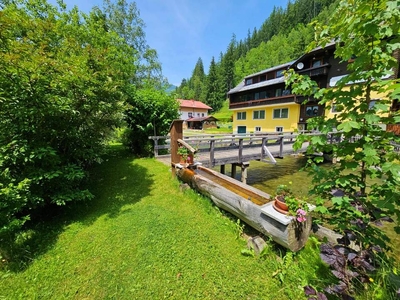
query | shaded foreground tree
(63,79)
(366,34)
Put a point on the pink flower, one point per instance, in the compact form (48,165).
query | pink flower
(301,219)
(301,215)
(301,212)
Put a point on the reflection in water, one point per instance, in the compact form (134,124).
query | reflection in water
(266,176)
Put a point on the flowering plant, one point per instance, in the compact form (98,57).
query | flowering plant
(296,206)
(301,215)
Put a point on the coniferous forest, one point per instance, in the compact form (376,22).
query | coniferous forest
(262,48)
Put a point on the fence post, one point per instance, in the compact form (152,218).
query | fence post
(212,145)
(264,141)
(155,146)
(240,157)
(176,132)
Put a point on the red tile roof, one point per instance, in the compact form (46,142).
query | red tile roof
(193,104)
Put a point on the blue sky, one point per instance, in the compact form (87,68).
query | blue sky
(181,31)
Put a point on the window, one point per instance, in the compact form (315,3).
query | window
(278,92)
(259,114)
(279,129)
(257,129)
(249,81)
(198,114)
(202,114)
(190,115)
(286,92)
(316,63)
(263,95)
(281,113)
(270,75)
(263,77)
(311,111)
(334,108)
(256,96)
(241,115)
(372,103)
(279,73)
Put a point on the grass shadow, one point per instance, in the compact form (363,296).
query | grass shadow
(115,183)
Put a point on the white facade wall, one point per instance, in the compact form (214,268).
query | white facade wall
(196,113)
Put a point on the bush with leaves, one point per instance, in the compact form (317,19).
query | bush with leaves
(62,81)
(150,112)
(349,198)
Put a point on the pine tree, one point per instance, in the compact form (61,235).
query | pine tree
(215,96)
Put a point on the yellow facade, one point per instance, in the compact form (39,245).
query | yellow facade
(375,96)
(268,123)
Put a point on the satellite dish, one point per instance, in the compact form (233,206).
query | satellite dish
(300,65)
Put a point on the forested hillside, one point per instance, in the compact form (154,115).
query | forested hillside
(282,37)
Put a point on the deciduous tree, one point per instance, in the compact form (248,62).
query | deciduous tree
(368,33)
(63,79)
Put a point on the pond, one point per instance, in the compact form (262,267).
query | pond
(266,177)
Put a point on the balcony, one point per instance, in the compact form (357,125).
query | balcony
(262,102)
(316,71)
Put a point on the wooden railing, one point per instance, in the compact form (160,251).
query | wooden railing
(212,149)
(207,142)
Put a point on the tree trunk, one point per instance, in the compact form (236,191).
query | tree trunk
(250,205)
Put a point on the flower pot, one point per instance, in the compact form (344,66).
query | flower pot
(281,206)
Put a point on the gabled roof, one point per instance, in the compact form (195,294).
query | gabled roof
(282,66)
(193,104)
(317,49)
(241,87)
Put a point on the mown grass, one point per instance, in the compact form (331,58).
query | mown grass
(144,238)
(224,114)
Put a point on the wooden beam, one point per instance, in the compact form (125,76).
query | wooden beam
(187,146)
(176,132)
(244,167)
(233,170)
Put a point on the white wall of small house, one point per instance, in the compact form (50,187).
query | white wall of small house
(196,113)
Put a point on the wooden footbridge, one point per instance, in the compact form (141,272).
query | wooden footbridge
(220,149)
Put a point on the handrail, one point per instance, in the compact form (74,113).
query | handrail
(210,141)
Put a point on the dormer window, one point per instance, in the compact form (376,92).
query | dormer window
(249,81)
(316,63)
(279,73)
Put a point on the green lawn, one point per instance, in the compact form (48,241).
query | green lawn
(144,238)
(224,114)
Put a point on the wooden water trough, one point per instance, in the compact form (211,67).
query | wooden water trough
(251,205)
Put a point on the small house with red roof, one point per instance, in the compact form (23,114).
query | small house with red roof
(192,109)
(195,114)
